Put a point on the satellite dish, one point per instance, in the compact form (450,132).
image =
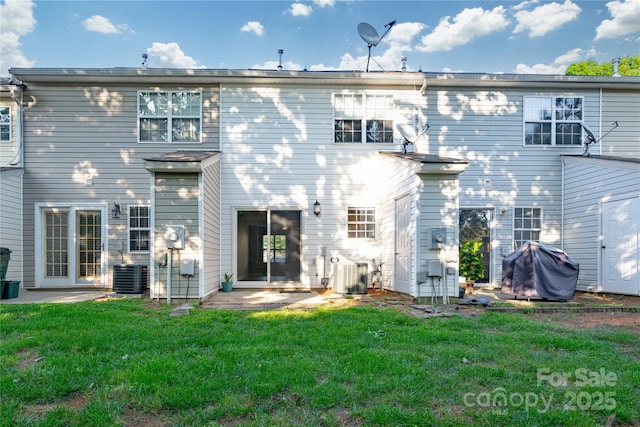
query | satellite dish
(591,139)
(370,35)
(409,134)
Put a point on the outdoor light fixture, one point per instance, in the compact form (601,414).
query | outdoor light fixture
(316,208)
(115,211)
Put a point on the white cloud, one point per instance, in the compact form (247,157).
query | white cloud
(99,24)
(404,33)
(560,64)
(16,21)
(300,9)
(324,3)
(273,65)
(467,25)
(575,55)
(169,55)
(546,18)
(540,69)
(253,27)
(626,19)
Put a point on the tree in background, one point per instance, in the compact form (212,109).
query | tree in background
(628,66)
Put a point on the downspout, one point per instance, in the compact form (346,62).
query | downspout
(17,160)
(562,204)
(600,123)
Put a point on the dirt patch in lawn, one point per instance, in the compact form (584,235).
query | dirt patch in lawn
(592,320)
(586,310)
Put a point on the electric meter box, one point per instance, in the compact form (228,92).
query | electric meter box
(174,236)
(438,237)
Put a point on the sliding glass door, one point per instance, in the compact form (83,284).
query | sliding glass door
(268,247)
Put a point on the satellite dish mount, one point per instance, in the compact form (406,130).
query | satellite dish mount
(409,134)
(590,139)
(370,35)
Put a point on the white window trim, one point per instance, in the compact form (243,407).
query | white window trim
(364,116)
(513,224)
(9,124)
(169,117)
(129,229)
(553,121)
(375,223)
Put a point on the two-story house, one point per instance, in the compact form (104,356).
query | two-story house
(302,179)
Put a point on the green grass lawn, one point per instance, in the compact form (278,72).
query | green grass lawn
(128,362)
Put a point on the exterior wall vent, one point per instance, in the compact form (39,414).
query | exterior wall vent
(350,278)
(130,278)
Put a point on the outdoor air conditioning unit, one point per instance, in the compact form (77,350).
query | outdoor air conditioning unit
(130,278)
(350,278)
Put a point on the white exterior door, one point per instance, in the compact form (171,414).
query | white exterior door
(70,248)
(403,245)
(620,246)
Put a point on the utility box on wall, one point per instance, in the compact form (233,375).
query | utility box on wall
(438,237)
(174,236)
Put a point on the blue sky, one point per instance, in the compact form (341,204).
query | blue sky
(461,36)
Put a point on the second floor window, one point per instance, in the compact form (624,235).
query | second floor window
(139,230)
(169,116)
(363,118)
(5,124)
(553,121)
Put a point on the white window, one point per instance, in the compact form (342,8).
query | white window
(169,116)
(361,223)
(363,118)
(526,226)
(139,230)
(5,124)
(553,121)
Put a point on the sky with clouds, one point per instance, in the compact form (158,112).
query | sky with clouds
(461,36)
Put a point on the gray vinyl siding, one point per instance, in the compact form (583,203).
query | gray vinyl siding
(11,219)
(439,198)
(77,132)
(486,128)
(622,107)
(211,228)
(175,206)
(279,152)
(401,181)
(588,183)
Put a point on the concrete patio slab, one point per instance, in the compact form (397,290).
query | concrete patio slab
(28,296)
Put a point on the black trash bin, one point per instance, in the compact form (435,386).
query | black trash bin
(5,255)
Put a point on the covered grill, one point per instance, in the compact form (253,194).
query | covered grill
(539,270)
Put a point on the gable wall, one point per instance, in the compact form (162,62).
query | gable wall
(73,133)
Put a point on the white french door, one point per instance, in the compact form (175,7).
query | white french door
(70,246)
